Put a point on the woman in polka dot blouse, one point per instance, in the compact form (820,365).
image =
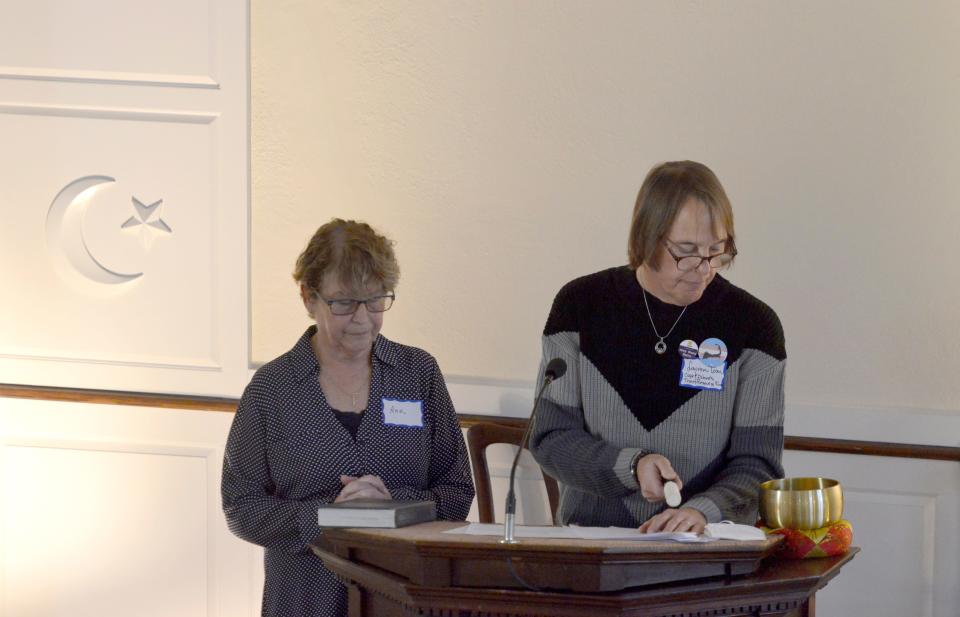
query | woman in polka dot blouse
(345,414)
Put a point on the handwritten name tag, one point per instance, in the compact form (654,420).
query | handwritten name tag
(695,374)
(402,413)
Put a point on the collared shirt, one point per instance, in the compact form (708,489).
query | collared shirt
(286,452)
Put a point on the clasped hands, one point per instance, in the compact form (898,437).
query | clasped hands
(363,487)
(652,471)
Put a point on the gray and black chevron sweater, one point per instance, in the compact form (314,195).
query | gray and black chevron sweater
(619,396)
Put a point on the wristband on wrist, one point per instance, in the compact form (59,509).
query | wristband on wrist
(633,464)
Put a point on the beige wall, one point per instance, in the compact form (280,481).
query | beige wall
(502,143)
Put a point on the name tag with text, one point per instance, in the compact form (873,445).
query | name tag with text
(700,376)
(402,413)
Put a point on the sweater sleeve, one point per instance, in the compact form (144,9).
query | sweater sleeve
(559,439)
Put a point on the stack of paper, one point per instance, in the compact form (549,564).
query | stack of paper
(714,531)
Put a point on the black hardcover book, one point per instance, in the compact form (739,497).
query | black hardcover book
(375,513)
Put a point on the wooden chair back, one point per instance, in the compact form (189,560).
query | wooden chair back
(483,434)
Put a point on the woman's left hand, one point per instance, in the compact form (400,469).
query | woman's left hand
(364,487)
(683,519)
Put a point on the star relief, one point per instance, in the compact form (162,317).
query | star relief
(147,221)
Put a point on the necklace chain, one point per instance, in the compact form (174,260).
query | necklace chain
(660,346)
(353,395)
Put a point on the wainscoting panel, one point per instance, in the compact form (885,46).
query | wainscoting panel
(111,510)
(904,515)
(104,505)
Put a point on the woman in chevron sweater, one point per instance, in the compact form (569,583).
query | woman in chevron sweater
(674,373)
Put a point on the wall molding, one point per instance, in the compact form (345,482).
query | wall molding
(214,404)
(872,448)
(109,77)
(197,365)
(109,113)
(112,397)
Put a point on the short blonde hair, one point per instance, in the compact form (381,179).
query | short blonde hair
(665,190)
(354,251)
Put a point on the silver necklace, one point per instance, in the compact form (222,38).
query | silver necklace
(660,347)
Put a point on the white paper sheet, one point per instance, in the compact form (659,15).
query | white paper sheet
(573,532)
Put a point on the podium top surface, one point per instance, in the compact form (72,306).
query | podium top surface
(430,538)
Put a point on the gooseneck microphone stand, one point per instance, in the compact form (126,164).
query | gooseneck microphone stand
(555,369)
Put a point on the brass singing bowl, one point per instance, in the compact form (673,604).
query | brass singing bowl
(801,503)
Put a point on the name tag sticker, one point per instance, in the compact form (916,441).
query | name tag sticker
(698,375)
(402,413)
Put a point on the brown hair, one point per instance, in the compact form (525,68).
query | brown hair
(354,251)
(665,190)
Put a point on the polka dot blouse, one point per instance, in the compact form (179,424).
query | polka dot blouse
(287,450)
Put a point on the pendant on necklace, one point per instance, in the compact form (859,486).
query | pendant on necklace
(660,347)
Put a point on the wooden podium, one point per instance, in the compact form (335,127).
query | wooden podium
(420,570)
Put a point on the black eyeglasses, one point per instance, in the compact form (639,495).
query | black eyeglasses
(349,306)
(686,263)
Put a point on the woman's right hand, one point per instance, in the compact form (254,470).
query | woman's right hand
(364,487)
(652,471)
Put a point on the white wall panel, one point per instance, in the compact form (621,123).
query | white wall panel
(110,510)
(125,195)
(102,506)
(112,41)
(167,255)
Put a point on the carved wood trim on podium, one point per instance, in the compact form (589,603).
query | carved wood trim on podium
(421,571)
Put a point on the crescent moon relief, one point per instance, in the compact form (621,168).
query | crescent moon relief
(65,240)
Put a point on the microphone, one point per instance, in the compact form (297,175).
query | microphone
(555,370)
